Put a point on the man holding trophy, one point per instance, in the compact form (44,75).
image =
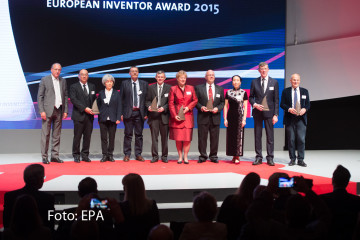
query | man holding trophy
(264,98)
(158,115)
(296,103)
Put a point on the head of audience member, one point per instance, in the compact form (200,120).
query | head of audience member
(341,177)
(108,81)
(86,186)
(295,80)
(260,207)
(134,73)
(263,69)
(258,190)
(298,211)
(273,184)
(247,186)
(84,230)
(25,217)
(56,70)
(204,207)
(34,176)
(83,76)
(181,78)
(161,232)
(210,77)
(160,77)
(236,81)
(135,193)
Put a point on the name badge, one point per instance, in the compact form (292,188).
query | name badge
(106,101)
(92,92)
(217,95)
(139,92)
(166,95)
(303,96)
(188,93)
(271,88)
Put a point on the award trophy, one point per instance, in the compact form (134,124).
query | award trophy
(95,108)
(210,105)
(154,105)
(297,108)
(181,114)
(264,103)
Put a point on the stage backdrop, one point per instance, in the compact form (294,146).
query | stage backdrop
(230,37)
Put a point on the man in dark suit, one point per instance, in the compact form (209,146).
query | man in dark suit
(209,120)
(34,178)
(53,106)
(159,120)
(295,122)
(344,207)
(133,112)
(82,96)
(264,87)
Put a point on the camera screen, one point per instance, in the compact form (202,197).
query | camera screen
(286,182)
(98,204)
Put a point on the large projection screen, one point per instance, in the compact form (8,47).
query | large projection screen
(230,37)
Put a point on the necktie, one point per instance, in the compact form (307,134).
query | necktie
(211,94)
(295,97)
(159,97)
(263,85)
(85,90)
(135,96)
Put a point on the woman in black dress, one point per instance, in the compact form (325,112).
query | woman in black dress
(236,101)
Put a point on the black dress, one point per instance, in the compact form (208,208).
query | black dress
(234,132)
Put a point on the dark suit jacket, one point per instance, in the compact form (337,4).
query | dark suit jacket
(272,97)
(219,101)
(152,93)
(112,109)
(80,101)
(204,230)
(43,200)
(178,98)
(286,103)
(127,99)
(46,95)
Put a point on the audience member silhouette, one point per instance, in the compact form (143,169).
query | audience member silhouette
(26,222)
(141,214)
(232,211)
(34,178)
(344,207)
(161,232)
(204,210)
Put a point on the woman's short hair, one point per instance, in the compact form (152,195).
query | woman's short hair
(107,77)
(181,73)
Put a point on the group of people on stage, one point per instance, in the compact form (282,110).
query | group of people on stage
(169,111)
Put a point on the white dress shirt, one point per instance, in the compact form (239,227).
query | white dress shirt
(58,99)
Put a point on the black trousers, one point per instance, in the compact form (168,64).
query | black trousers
(133,124)
(156,126)
(269,129)
(296,130)
(82,129)
(203,131)
(107,135)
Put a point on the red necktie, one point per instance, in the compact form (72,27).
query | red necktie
(210,94)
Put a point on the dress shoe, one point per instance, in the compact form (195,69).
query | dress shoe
(215,161)
(187,162)
(126,158)
(154,159)
(85,159)
(270,162)
(258,161)
(292,163)
(140,158)
(58,160)
(77,159)
(179,162)
(111,158)
(201,161)
(45,161)
(104,158)
(164,159)
(302,163)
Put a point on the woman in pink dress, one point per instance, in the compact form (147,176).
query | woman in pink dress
(182,95)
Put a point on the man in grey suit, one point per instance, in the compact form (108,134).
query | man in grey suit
(133,112)
(209,120)
(159,120)
(53,107)
(264,87)
(82,96)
